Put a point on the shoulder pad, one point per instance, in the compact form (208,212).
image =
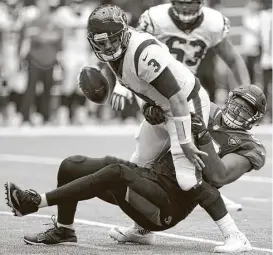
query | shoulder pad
(216,24)
(159,17)
(253,150)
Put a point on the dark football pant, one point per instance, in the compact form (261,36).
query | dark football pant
(137,191)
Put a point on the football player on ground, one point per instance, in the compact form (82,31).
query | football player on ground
(189,29)
(151,197)
(145,66)
(238,151)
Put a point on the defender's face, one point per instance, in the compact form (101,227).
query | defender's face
(241,110)
(187,10)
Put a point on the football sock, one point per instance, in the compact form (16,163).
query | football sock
(227,225)
(43,202)
(70,226)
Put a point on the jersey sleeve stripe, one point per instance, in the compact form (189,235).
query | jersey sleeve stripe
(139,50)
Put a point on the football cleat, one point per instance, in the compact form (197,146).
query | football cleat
(21,202)
(234,243)
(132,235)
(53,235)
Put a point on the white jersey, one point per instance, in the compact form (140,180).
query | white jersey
(144,60)
(187,46)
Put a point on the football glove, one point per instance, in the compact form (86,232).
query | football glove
(153,114)
(198,126)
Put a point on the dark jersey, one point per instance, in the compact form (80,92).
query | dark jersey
(235,141)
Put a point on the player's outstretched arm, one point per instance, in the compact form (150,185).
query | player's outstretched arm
(221,171)
(234,60)
(167,85)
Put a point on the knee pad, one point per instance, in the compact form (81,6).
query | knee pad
(205,194)
(67,167)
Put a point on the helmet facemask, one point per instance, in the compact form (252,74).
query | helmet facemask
(239,113)
(108,32)
(187,10)
(108,47)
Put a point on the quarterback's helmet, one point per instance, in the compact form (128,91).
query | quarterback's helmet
(107,32)
(244,107)
(187,10)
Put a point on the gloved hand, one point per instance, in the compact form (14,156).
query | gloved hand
(119,96)
(198,126)
(153,114)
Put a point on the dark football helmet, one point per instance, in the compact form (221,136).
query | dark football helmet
(108,32)
(244,107)
(187,10)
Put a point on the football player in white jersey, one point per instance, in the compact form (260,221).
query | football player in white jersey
(189,29)
(144,65)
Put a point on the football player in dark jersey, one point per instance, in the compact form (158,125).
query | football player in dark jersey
(226,139)
(162,204)
(238,150)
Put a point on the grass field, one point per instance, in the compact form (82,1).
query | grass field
(30,159)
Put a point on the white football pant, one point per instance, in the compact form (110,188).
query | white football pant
(153,141)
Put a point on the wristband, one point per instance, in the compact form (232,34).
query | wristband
(183,128)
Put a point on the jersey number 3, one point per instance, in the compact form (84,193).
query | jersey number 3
(174,45)
(154,64)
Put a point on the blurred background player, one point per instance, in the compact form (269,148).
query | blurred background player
(76,53)
(266,52)
(251,37)
(39,44)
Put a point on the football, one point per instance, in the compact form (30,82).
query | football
(96,84)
